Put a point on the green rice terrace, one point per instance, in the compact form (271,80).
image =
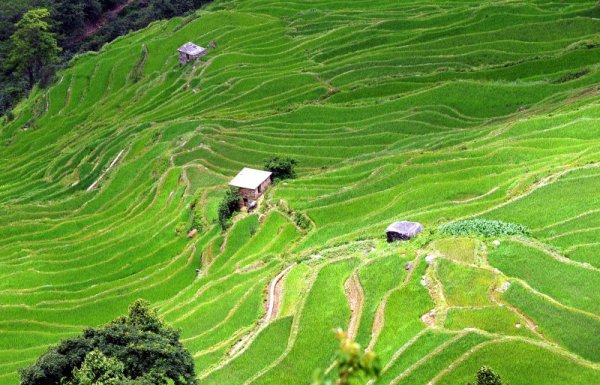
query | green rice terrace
(418,110)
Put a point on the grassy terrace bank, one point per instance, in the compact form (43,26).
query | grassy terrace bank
(421,110)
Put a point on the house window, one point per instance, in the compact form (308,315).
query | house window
(259,189)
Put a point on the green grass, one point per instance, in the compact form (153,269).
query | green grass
(583,334)
(513,358)
(463,285)
(269,345)
(294,286)
(403,310)
(433,111)
(490,319)
(459,249)
(571,285)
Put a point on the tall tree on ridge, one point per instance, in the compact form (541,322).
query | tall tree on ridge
(34,45)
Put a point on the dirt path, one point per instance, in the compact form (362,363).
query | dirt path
(274,296)
(356,299)
(379,320)
(272,309)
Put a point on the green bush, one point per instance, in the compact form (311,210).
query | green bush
(302,221)
(138,69)
(229,206)
(486,376)
(196,221)
(484,228)
(138,347)
(281,167)
(180,228)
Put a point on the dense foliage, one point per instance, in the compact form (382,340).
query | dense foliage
(98,369)
(79,25)
(486,376)
(484,228)
(282,167)
(229,206)
(138,347)
(34,46)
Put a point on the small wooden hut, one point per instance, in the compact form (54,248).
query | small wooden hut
(403,231)
(190,51)
(251,184)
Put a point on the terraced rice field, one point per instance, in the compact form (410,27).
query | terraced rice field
(419,110)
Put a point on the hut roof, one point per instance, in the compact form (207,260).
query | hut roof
(191,49)
(250,178)
(406,228)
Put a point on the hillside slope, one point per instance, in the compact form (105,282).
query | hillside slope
(420,110)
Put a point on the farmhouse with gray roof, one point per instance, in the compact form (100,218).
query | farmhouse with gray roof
(190,51)
(403,231)
(252,185)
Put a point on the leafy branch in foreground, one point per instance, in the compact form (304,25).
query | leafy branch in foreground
(352,365)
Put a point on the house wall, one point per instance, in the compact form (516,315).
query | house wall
(252,195)
(184,58)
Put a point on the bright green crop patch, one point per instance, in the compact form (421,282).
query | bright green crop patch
(267,347)
(463,285)
(583,334)
(295,287)
(491,319)
(485,228)
(571,285)
(511,359)
(459,249)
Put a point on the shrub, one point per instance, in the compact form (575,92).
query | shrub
(229,206)
(486,376)
(160,166)
(138,346)
(138,69)
(180,228)
(281,167)
(483,227)
(302,221)
(196,221)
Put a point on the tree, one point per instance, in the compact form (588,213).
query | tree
(34,46)
(281,167)
(97,369)
(72,18)
(486,376)
(228,206)
(353,364)
(149,351)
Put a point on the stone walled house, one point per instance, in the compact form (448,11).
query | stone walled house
(190,51)
(403,231)
(251,184)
